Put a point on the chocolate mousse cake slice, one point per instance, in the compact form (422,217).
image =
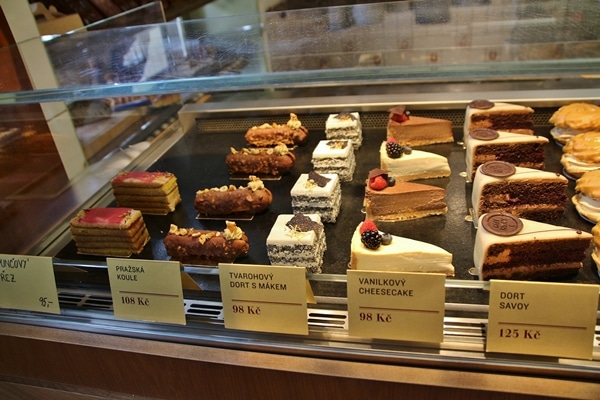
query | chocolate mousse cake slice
(410,130)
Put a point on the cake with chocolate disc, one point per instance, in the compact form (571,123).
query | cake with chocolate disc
(345,125)
(587,196)
(314,193)
(206,247)
(109,231)
(573,119)
(504,117)
(335,157)
(485,145)
(524,192)
(405,164)
(596,246)
(229,200)
(264,162)
(581,153)
(411,130)
(297,240)
(373,250)
(266,135)
(509,247)
(149,192)
(389,200)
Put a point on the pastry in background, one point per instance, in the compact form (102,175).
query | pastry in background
(149,192)
(587,196)
(266,135)
(573,119)
(411,130)
(267,162)
(314,193)
(231,201)
(335,157)
(345,125)
(596,245)
(581,153)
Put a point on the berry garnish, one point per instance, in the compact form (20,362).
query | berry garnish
(378,182)
(393,149)
(386,238)
(368,225)
(391,181)
(371,239)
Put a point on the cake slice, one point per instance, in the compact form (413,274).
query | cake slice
(409,130)
(317,194)
(587,196)
(206,247)
(373,250)
(344,125)
(406,164)
(509,247)
(335,157)
(506,117)
(110,231)
(485,145)
(297,240)
(387,200)
(149,192)
(524,192)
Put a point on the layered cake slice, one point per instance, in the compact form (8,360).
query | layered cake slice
(406,164)
(206,247)
(587,196)
(232,201)
(266,135)
(485,145)
(524,192)
(267,162)
(317,194)
(111,231)
(335,157)
(573,119)
(581,154)
(504,117)
(373,250)
(149,192)
(297,240)
(409,130)
(509,247)
(388,200)
(344,125)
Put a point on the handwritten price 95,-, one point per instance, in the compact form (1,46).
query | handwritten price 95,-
(44,302)
(250,310)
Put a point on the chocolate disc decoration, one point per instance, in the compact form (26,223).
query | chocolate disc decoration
(484,134)
(377,172)
(501,224)
(481,104)
(498,169)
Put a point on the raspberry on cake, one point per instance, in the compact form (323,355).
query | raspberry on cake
(149,192)
(587,196)
(388,200)
(485,145)
(509,247)
(406,164)
(112,231)
(373,250)
(411,130)
(335,157)
(317,194)
(344,125)
(264,162)
(504,117)
(297,240)
(265,135)
(573,119)
(206,247)
(581,154)
(230,201)
(524,192)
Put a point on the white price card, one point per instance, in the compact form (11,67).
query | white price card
(146,290)
(265,298)
(542,318)
(396,305)
(28,283)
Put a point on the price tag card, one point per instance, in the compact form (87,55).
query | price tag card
(547,319)
(146,290)
(396,305)
(27,283)
(264,298)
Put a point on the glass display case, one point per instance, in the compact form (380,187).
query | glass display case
(231,73)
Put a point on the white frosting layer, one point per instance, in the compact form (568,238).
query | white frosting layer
(300,188)
(334,123)
(324,151)
(281,234)
(402,255)
(503,138)
(561,135)
(532,231)
(576,167)
(498,107)
(522,174)
(416,165)
(587,206)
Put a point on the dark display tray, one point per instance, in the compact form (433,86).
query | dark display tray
(198,161)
